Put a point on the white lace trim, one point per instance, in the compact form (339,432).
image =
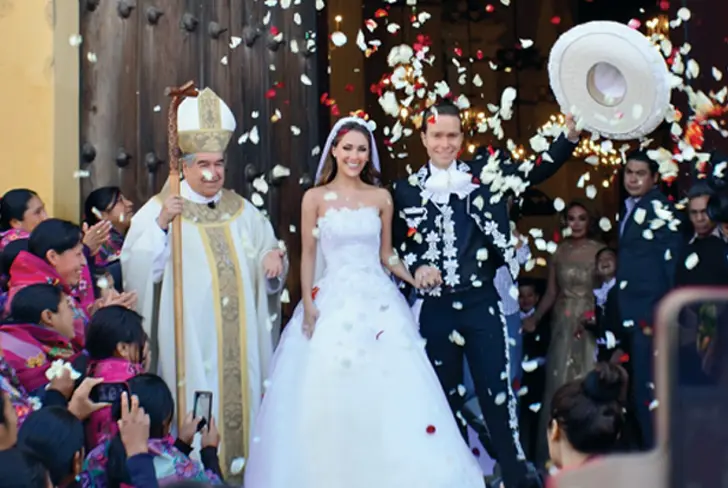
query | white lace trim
(512,401)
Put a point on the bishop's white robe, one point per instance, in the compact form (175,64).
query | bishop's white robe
(230,308)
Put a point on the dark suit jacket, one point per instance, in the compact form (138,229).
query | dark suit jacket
(608,320)
(644,276)
(413,217)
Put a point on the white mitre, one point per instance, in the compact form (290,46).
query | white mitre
(205,124)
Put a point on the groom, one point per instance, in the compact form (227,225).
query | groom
(453,233)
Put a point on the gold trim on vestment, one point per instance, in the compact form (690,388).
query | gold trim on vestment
(204,141)
(228,289)
(229,207)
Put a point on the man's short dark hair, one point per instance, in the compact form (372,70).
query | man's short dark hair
(443,107)
(700,189)
(640,155)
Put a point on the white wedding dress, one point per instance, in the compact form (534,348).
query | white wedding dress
(358,405)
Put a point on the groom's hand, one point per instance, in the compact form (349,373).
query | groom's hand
(427,277)
(573,133)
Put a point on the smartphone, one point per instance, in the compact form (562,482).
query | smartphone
(108,392)
(202,408)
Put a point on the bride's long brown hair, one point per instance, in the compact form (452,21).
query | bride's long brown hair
(368,175)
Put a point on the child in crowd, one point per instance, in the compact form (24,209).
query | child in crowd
(27,470)
(106,466)
(535,346)
(41,331)
(109,204)
(55,436)
(604,322)
(117,347)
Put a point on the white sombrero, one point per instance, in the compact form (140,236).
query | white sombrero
(612,78)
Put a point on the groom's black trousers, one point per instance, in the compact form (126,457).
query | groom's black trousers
(474,315)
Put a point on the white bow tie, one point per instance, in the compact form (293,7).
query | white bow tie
(442,184)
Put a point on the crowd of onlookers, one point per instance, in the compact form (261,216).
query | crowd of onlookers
(68,330)
(584,339)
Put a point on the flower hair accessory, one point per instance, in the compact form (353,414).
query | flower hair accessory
(369,125)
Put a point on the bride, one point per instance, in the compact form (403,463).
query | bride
(352,400)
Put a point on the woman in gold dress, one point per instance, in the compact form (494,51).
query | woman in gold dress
(569,293)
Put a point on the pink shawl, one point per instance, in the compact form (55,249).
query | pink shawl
(28,269)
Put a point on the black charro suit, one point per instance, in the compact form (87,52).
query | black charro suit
(468,239)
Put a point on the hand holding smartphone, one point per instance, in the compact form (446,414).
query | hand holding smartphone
(202,408)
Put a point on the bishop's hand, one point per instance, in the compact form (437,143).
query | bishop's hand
(427,277)
(172,207)
(273,263)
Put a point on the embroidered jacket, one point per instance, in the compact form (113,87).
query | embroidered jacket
(426,233)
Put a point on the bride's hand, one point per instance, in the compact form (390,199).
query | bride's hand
(310,316)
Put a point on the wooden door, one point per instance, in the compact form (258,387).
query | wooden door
(254,56)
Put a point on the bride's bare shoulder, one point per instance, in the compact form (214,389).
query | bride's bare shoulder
(312,197)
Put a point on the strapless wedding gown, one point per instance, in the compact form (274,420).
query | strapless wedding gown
(358,405)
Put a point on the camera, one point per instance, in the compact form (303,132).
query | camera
(718,181)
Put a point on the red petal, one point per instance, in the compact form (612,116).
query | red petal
(489,8)
(431,429)
(380,13)
(411,231)
(349,87)
(271,93)
(556,20)
(274,30)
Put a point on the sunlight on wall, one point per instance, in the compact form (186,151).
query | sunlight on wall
(39,74)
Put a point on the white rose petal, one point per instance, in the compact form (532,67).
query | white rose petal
(456,338)
(457,305)
(648,234)
(500,398)
(257,200)
(236,467)
(462,390)
(559,204)
(622,285)
(530,366)
(684,14)
(75,40)
(639,215)
(605,224)
(691,261)
(668,255)
(526,43)
(610,339)
(534,407)
(591,191)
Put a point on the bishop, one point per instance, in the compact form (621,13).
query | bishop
(233,273)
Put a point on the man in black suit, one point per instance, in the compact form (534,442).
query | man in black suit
(649,244)
(452,230)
